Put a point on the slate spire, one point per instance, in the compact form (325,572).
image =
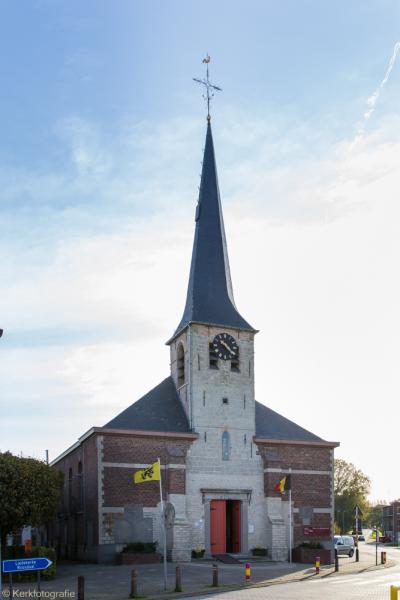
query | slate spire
(210,296)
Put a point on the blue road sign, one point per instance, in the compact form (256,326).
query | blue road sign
(26,564)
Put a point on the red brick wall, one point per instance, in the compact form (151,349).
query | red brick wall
(119,488)
(308,490)
(79,499)
(144,449)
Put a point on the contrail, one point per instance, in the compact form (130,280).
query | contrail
(373,99)
(371,103)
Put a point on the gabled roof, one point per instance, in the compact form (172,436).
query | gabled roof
(210,296)
(159,410)
(272,425)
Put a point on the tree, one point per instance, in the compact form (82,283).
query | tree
(351,489)
(30,492)
(375,515)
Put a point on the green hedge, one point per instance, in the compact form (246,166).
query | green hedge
(13,552)
(140,548)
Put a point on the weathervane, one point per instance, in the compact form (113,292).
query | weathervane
(209,87)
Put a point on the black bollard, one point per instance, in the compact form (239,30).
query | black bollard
(178,579)
(81,587)
(357,555)
(215,575)
(336,561)
(134,587)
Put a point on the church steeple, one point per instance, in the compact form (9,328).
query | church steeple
(210,296)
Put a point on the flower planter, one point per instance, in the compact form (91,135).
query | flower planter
(138,558)
(259,552)
(308,555)
(198,554)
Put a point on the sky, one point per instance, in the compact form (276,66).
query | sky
(102,132)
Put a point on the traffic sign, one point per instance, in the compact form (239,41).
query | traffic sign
(26,564)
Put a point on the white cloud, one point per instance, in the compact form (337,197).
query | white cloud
(313,240)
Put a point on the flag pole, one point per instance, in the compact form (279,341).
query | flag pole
(290,517)
(163,529)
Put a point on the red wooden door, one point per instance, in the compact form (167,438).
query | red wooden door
(236,506)
(218,526)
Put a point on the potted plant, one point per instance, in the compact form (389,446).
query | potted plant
(259,551)
(306,552)
(198,552)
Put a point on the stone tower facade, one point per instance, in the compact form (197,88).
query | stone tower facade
(223,463)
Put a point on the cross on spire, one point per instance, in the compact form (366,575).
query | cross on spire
(208,85)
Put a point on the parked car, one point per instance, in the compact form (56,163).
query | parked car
(361,538)
(344,544)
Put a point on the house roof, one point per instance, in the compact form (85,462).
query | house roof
(209,295)
(158,410)
(272,425)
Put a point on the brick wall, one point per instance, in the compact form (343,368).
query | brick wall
(311,469)
(78,511)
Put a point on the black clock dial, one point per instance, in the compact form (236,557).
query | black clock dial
(225,346)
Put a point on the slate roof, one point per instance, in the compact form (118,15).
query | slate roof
(272,425)
(210,296)
(159,410)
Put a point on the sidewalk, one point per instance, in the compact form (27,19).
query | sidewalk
(112,582)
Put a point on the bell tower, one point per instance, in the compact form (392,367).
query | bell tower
(212,349)
(212,365)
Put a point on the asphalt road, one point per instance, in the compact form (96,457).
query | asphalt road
(372,585)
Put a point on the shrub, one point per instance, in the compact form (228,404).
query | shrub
(13,552)
(259,551)
(140,548)
(311,545)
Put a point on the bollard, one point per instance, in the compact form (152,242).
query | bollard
(178,579)
(393,592)
(134,586)
(248,573)
(215,575)
(383,558)
(317,564)
(81,587)
(357,555)
(336,561)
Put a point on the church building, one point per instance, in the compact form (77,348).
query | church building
(222,453)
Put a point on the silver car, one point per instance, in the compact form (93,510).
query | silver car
(344,544)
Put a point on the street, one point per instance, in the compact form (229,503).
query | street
(371,585)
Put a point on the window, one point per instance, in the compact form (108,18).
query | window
(80,484)
(70,489)
(225,446)
(235,363)
(180,357)
(225,401)
(213,357)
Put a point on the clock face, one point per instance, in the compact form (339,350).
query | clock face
(225,346)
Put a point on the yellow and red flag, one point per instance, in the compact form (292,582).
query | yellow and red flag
(283,484)
(150,473)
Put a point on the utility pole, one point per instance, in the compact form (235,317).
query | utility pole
(357,552)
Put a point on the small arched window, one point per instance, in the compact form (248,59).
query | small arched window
(70,488)
(80,483)
(225,446)
(180,357)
